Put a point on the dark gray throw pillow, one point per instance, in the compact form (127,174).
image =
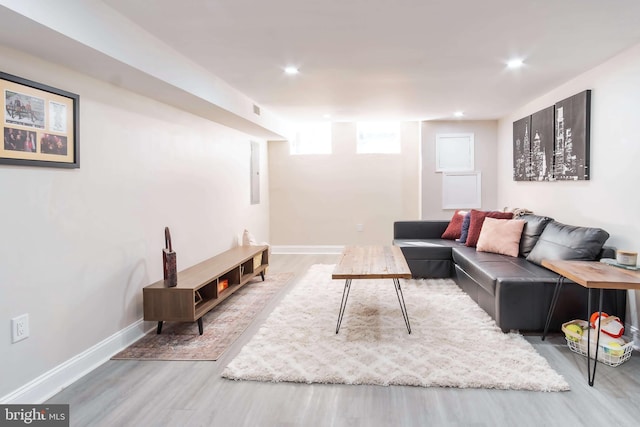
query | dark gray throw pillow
(561,241)
(533,228)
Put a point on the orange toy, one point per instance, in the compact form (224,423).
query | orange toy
(611,325)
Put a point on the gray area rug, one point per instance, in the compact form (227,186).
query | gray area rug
(222,325)
(453,342)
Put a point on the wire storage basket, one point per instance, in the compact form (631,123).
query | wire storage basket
(612,351)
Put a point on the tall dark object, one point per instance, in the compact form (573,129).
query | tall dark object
(169,261)
(542,145)
(522,149)
(572,129)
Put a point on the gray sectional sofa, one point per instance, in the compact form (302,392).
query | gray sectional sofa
(515,291)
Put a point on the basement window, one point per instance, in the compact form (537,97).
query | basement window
(378,138)
(312,138)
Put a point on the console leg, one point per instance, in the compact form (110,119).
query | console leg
(159,330)
(262,275)
(200,327)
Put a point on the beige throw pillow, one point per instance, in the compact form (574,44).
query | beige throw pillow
(500,236)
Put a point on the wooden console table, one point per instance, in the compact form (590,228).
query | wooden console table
(591,275)
(197,289)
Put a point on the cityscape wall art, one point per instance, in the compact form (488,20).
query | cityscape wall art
(553,144)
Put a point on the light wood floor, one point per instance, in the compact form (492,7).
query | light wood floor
(132,393)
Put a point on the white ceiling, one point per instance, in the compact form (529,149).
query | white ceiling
(406,59)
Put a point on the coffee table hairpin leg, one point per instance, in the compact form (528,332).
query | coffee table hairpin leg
(343,304)
(403,307)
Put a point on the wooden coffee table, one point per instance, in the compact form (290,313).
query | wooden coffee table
(372,262)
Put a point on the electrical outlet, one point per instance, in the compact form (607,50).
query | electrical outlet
(19,328)
(359,227)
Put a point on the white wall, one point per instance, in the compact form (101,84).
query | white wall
(485,142)
(319,199)
(609,200)
(77,246)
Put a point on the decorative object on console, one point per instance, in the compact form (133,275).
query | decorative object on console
(613,262)
(248,239)
(627,258)
(500,236)
(476,221)
(454,229)
(571,157)
(222,285)
(169,261)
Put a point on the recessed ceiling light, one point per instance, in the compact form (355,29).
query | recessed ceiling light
(459,113)
(515,63)
(327,116)
(291,70)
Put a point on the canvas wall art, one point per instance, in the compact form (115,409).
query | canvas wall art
(522,149)
(542,145)
(572,137)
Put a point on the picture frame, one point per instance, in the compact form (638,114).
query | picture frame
(40,124)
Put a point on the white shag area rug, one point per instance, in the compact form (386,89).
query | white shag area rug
(453,342)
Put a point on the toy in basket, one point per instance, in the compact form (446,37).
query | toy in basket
(613,351)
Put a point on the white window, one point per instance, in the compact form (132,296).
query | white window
(378,137)
(312,138)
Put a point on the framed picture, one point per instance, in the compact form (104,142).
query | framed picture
(572,128)
(40,124)
(454,152)
(522,149)
(542,143)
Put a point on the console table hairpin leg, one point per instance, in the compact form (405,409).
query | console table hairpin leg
(554,301)
(591,374)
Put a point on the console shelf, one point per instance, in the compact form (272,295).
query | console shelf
(197,290)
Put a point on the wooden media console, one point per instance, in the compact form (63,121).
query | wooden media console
(198,289)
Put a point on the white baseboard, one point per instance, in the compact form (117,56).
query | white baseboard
(65,374)
(306,250)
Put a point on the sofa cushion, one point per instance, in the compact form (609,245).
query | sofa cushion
(500,236)
(455,226)
(561,241)
(426,249)
(464,232)
(533,228)
(487,269)
(476,221)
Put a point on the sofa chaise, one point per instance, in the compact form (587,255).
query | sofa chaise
(515,291)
